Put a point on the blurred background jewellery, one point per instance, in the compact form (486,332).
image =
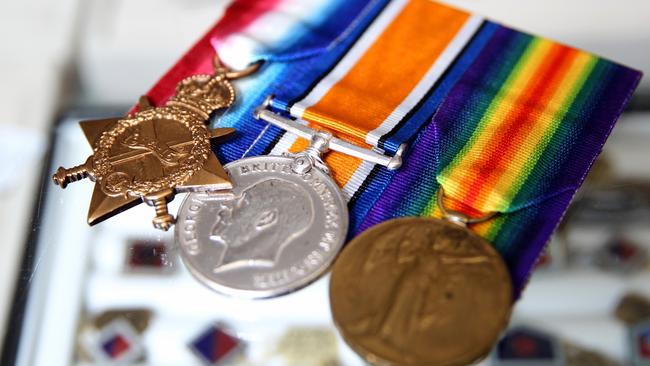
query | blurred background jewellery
(158,151)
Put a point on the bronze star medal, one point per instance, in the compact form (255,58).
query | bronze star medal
(153,154)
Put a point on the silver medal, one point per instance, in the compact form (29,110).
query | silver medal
(283,224)
(281,231)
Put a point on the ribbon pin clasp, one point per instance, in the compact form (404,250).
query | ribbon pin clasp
(372,155)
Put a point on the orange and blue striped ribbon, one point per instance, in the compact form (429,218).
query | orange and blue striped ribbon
(369,94)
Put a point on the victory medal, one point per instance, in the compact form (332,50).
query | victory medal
(421,291)
(153,154)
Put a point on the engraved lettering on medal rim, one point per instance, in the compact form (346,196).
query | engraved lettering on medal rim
(191,238)
(264,167)
(331,209)
(314,258)
(307,264)
(327,241)
(189,228)
(272,279)
(307,177)
(284,276)
(320,188)
(332,214)
(311,261)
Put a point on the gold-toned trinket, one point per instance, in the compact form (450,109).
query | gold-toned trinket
(138,317)
(420,291)
(153,154)
(578,356)
(309,346)
(633,308)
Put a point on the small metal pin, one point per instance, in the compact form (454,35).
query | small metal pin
(159,200)
(391,162)
(65,176)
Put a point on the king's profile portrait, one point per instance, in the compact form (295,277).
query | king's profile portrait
(257,226)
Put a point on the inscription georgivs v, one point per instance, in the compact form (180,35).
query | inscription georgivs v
(150,155)
(280,232)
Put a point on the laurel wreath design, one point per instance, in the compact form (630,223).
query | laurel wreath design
(194,162)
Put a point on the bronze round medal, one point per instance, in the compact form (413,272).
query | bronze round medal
(420,291)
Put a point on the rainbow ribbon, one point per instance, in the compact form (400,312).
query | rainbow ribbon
(505,121)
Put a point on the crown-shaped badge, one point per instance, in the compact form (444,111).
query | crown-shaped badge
(204,93)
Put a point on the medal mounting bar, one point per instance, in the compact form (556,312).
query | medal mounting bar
(391,162)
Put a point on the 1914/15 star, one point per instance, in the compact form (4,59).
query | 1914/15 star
(156,152)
